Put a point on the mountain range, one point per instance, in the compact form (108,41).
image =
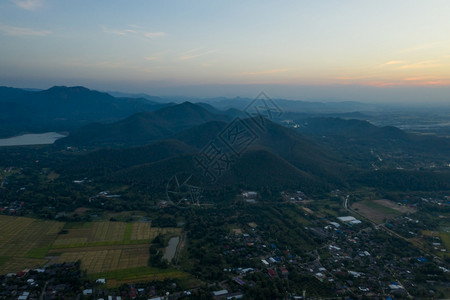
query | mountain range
(148,148)
(135,141)
(63,108)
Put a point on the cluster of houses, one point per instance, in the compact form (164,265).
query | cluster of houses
(359,264)
(66,281)
(355,263)
(11,208)
(436,201)
(293,196)
(250,196)
(53,282)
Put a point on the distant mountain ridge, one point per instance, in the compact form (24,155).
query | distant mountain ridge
(63,108)
(239,103)
(146,149)
(168,140)
(143,128)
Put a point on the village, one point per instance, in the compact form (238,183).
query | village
(355,258)
(346,256)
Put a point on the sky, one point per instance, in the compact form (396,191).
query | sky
(340,50)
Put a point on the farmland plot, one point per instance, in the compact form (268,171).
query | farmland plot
(102,260)
(114,248)
(19,236)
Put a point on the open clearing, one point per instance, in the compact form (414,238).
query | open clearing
(376,210)
(117,250)
(401,208)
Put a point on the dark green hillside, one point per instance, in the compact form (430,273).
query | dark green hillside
(8,93)
(259,169)
(143,128)
(348,128)
(299,150)
(104,161)
(201,135)
(279,157)
(303,152)
(363,143)
(401,180)
(154,175)
(139,129)
(63,108)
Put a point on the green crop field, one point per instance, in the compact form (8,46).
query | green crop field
(129,275)
(110,233)
(118,250)
(445,237)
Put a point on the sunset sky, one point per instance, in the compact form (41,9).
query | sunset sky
(293,49)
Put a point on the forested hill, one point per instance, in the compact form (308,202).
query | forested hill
(63,108)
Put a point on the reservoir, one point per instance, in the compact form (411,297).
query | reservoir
(171,248)
(46,138)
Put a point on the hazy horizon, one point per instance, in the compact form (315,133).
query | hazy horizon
(417,96)
(380,52)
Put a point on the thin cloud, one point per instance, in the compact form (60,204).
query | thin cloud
(151,35)
(22,31)
(381,83)
(208,64)
(28,4)
(194,53)
(101,64)
(266,72)
(154,57)
(393,62)
(420,47)
(135,31)
(422,65)
(412,81)
(351,77)
(419,78)
(119,32)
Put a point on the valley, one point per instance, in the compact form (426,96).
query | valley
(190,200)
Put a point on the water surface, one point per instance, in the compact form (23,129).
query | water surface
(171,248)
(46,138)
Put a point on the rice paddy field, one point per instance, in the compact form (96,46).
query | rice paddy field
(21,238)
(104,248)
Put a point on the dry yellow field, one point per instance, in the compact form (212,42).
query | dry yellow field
(98,233)
(144,231)
(18,236)
(107,231)
(140,231)
(95,260)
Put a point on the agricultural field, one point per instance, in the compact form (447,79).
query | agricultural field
(132,275)
(23,240)
(109,233)
(445,237)
(109,258)
(379,210)
(401,208)
(102,247)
